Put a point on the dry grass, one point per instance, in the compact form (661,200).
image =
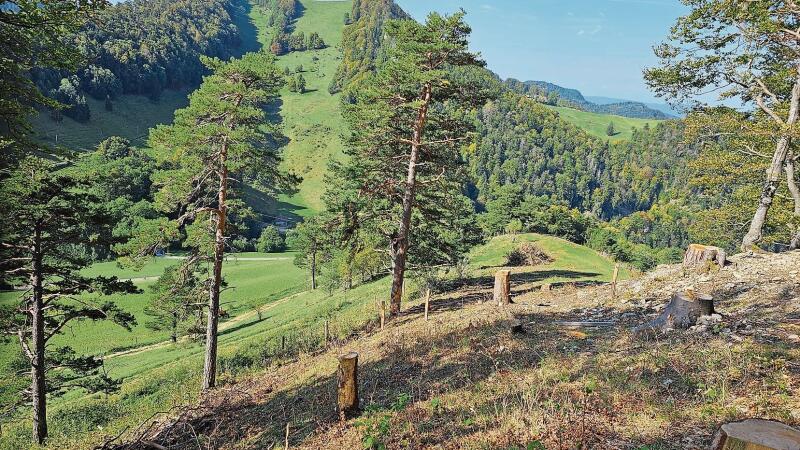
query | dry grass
(463,380)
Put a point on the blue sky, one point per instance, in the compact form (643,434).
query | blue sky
(597,46)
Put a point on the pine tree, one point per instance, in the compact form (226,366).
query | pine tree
(51,222)
(610,131)
(221,137)
(307,238)
(301,83)
(412,113)
(177,296)
(291,84)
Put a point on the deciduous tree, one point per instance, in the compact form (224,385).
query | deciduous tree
(744,50)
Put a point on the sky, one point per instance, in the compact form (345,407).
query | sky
(599,47)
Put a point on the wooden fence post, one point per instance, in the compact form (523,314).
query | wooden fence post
(614,281)
(427,303)
(327,332)
(383,313)
(502,287)
(347,401)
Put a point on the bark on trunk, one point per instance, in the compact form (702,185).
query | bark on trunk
(754,234)
(681,312)
(698,254)
(400,244)
(502,287)
(795,191)
(210,367)
(38,369)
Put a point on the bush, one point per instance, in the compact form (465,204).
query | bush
(242,244)
(527,254)
(271,240)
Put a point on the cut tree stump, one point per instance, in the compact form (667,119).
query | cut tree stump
(756,434)
(698,254)
(502,287)
(682,312)
(347,404)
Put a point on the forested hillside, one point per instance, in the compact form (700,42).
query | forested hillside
(142,47)
(362,39)
(298,179)
(524,143)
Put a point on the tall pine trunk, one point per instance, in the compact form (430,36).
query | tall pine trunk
(754,234)
(38,369)
(400,244)
(795,192)
(210,368)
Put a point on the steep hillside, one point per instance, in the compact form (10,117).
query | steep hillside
(362,46)
(272,320)
(574,375)
(525,144)
(145,59)
(311,120)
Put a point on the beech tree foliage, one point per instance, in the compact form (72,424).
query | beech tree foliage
(744,50)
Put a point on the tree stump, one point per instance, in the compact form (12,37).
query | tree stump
(698,254)
(682,311)
(546,287)
(502,287)
(756,434)
(347,404)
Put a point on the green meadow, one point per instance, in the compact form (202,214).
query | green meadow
(596,124)
(568,257)
(311,120)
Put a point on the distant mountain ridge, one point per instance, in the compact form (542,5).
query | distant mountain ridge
(663,107)
(574,98)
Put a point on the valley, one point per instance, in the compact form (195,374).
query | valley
(272,184)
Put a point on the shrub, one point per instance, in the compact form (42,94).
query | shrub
(271,240)
(527,254)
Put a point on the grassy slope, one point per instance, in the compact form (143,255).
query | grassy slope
(312,120)
(596,124)
(163,374)
(571,262)
(132,116)
(463,380)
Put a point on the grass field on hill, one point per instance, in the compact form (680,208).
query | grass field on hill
(312,120)
(159,374)
(132,117)
(596,124)
(571,262)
